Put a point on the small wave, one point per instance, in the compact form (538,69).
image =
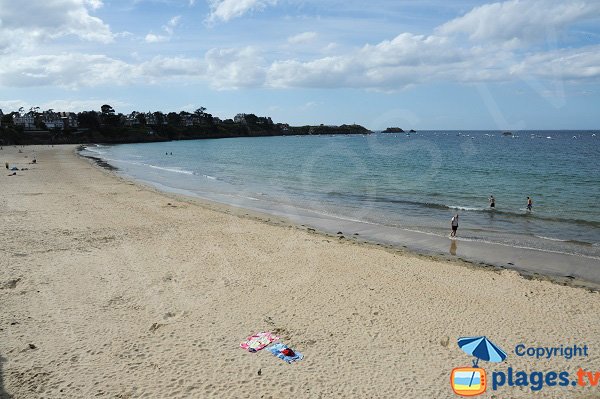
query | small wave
(577,242)
(95,150)
(551,239)
(523,213)
(209,177)
(466,208)
(519,213)
(172,169)
(488,241)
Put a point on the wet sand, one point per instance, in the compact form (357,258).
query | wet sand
(112,289)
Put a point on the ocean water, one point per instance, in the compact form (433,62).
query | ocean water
(413,182)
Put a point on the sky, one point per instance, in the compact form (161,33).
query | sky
(415,64)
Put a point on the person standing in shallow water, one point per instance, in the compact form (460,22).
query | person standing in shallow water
(492,202)
(529,204)
(454,225)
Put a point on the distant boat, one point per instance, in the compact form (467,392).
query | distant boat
(507,133)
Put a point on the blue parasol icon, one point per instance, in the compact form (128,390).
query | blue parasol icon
(483,349)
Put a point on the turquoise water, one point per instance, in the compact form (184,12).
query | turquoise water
(414,182)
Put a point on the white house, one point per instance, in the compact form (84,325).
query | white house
(26,120)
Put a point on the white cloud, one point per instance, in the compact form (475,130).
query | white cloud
(73,71)
(302,37)
(173,22)
(168,28)
(565,64)
(519,22)
(25,24)
(13,105)
(159,69)
(62,105)
(330,47)
(65,70)
(152,38)
(389,65)
(224,10)
(235,68)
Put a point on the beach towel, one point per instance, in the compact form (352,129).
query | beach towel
(278,349)
(258,341)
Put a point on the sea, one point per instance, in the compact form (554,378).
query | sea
(410,182)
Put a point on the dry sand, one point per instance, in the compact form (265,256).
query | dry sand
(111,289)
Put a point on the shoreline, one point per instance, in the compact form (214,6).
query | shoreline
(528,262)
(110,288)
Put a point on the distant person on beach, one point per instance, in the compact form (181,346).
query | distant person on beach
(492,201)
(454,225)
(529,204)
(6,164)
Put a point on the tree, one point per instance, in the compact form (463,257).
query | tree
(159,117)
(141,118)
(88,119)
(174,119)
(208,118)
(107,109)
(8,119)
(251,119)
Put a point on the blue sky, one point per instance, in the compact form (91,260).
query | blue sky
(423,64)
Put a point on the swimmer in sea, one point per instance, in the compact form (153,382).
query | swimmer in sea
(529,204)
(492,201)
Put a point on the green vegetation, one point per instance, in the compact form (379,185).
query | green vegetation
(106,126)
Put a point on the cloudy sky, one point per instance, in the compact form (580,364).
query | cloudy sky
(424,64)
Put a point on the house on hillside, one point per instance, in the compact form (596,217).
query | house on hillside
(151,119)
(69,119)
(240,118)
(26,120)
(131,120)
(52,120)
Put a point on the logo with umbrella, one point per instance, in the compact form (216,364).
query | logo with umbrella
(471,381)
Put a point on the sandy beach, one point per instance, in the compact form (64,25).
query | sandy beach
(111,289)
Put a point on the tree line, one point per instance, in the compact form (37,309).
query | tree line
(108,126)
